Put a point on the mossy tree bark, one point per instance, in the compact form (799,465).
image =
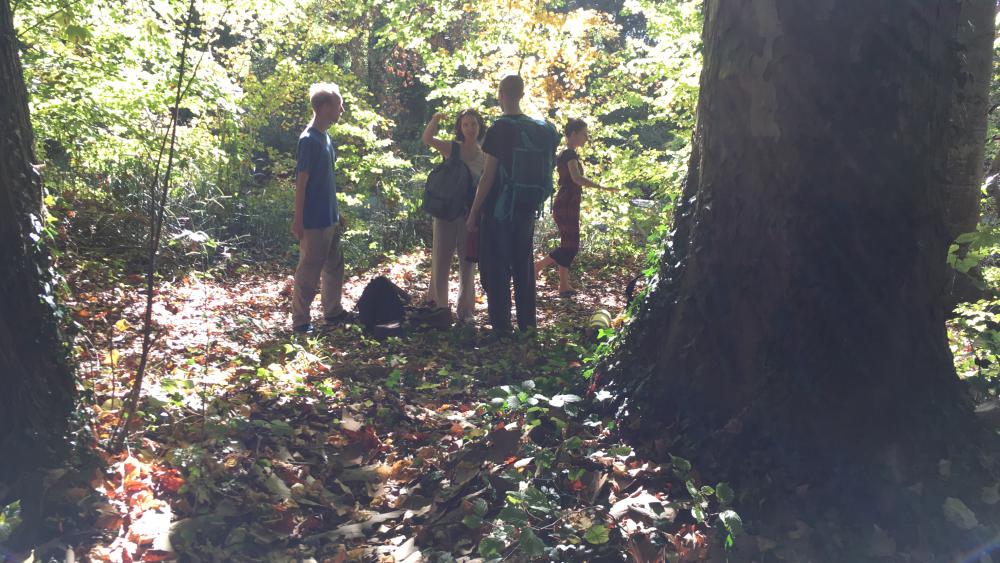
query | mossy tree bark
(35,377)
(800,301)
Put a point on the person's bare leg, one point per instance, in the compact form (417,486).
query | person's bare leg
(543,263)
(564,280)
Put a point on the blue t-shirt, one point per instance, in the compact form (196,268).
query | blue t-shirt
(316,157)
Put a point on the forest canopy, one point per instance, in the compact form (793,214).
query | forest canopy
(102,75)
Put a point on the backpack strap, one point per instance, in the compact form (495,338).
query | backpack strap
(504,210)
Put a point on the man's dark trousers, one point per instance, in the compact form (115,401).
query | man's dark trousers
(505,253)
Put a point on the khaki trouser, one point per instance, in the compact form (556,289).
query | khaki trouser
(449,236)
(319,255)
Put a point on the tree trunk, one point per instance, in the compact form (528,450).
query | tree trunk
(970,103)
(35,377)
(799,303)
(966,140)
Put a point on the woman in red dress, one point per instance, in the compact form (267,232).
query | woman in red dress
(566,207)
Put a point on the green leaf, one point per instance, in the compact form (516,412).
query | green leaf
(698,513)
(490,547)
(480,506)
(621,451)
(532,545)
(537,500)
(692,489)
(732,521)
(561,400)
(724,493)
(10,519)
(680,465)
(597,534)
(573,443)
(472,521)
(280,427)
(513,515)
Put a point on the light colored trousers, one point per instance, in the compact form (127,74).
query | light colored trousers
(449,236)
(320,255)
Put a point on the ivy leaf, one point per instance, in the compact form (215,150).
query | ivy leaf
(681,466)
(732,521)
(479,507)
(490,547)
(692,489)
(513,515)
(724,493)
(621,451)
(280,427)
(698,513)
(597,534)
(532,545)
(561,400)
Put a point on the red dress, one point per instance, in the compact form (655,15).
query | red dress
(566,211)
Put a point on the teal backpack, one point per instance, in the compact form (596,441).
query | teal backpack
(528,184)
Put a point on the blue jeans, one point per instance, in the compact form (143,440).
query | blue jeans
(505,254)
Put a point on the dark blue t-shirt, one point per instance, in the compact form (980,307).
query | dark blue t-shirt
(316,157)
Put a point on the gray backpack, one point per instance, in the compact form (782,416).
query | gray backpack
(448,185)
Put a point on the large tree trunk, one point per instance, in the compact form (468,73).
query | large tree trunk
(36,385)
(800,301)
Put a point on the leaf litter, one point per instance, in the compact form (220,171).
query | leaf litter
(259,445)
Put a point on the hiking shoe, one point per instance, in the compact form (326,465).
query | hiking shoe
(303,329)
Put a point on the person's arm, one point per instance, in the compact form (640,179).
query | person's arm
(482,191)
(301,179)
(576,173)
(429,139)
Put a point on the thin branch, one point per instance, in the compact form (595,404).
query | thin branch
(157,209)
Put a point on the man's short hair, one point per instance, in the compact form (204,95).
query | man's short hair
(512,86)
(323,93)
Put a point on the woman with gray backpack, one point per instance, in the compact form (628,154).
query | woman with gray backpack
(447,197)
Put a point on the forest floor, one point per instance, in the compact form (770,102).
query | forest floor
(256,444)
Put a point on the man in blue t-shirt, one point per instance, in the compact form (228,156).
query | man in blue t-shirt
(317,224)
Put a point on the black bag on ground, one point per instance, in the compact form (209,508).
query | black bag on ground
(431,317)
(447,189)
(382,303)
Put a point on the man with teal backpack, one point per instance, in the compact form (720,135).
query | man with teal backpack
(520,155)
